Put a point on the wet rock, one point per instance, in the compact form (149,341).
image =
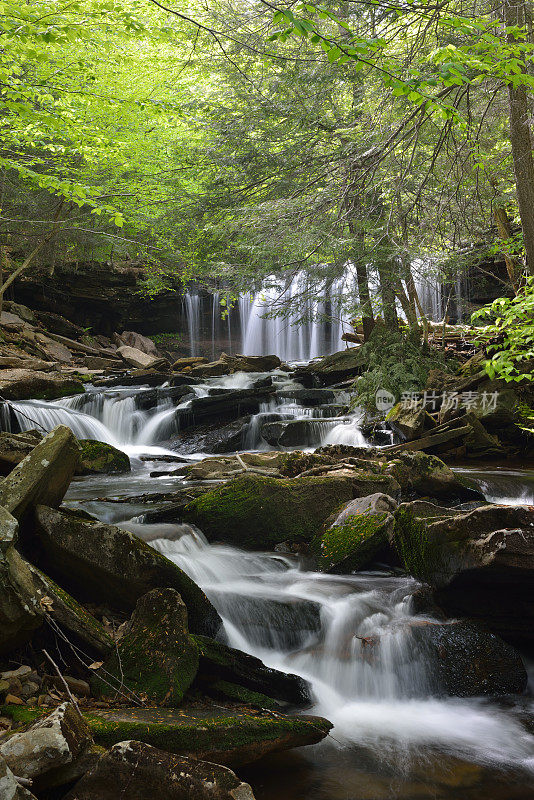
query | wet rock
(293,433)
(70,616)
(183,363)
(44,475)
(410,423)
(137,358)
(136,377)
(481,564)
(104,563)
(467,661)
(100,458)
(214,438)
(49,743)
(257,512)
(140,771)
(156,657)
(227,365)
(23,384)
(10,789)
(224,406)
(153,397)
(225,735)
(20,612)
(360,532)
(220,662)
(425,474)
(334,368)
(308,397)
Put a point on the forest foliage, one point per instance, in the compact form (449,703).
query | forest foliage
(230,141)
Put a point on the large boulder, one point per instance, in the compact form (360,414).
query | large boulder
(44,475)
(156,657)
(25,384)
(359,533)
(139,342)
(292,433)
(220,663)
(481,563)
(47,744)
(140,772)
(10,788)
(20,610)
(257,512)
(409,422)
(225,735)
(466,661)
(139,359)
(334,368)
(424,474)
(104,563)
(227,365)
(100,458)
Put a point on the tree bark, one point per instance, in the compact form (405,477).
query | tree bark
(514,12)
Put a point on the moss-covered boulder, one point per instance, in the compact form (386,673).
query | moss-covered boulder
(410,423)
(358,535)
(20,611)
(71,616)
(424,474)
(102,563)
(16,446)
(43,476)
(257,512)
(222,664)
(99,458)
(156,657)
(138,771)
(481,563)
(225,735)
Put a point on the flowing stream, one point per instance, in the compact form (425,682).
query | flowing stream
(395,735)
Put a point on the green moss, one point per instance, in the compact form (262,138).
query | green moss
(292,464)
(22,715)
(257,512)
(354,543)
(177,732)
(55,392)
(413,545)
(232,691)
(99,457)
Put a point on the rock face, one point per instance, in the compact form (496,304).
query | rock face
(258,512)
(103,562)
(10,789)
(20,612)
(481,563)
(466,661)
(49,743)
(156,656)
(138,341)
(358,534)
(44,475)
(290,433)
(23,384)
(409,423)
(218,662)
(140,772)
(99,458)
(225,735)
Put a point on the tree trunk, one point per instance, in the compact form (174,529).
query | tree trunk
(505,232)
(514,12)
(387,292)
(364,295)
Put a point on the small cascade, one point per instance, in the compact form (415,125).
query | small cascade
(346,432)
(193,303)
(33,414)
(351,637)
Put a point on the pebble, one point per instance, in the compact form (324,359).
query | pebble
(11,700)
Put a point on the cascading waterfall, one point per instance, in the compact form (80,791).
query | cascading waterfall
(351,637)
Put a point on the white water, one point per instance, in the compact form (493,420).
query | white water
(367,674)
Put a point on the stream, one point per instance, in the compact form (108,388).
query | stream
(394,735)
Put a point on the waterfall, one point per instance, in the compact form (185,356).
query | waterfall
(193,315)
(351,637)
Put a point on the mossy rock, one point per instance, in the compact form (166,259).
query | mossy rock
(292,464)
(99,458)
(353,544)
(413,544)
(223,735)
(157,657)
(257,512)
